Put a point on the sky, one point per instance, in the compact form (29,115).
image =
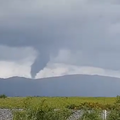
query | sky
(44,38)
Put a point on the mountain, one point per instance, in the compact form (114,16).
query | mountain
(69,85)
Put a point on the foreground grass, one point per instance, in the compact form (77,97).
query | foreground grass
(56,102)
(43,110)
(61,108)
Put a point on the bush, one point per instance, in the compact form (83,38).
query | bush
(40,111)
(91,115)
(114,115)
(3,96)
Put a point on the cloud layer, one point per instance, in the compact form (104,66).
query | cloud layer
(76,32)
(16,61)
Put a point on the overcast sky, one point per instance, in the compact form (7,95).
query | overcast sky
(50,37)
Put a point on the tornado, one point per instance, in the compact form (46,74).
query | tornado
(39,63)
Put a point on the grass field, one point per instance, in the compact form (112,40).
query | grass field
(52,108)
(56,102)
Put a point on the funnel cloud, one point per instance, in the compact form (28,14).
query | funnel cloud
(40,62)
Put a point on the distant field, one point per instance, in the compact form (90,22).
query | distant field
(56,102)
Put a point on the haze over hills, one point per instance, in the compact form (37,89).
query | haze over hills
(69,85)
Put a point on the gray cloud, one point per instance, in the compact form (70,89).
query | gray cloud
(88,28)
(16,54)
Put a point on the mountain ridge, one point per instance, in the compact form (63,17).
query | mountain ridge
(67,85)
(14,77)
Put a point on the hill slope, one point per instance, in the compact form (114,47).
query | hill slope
(69,85)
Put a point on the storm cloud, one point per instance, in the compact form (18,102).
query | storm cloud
(88,29)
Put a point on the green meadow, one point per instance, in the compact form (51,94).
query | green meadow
(56,102)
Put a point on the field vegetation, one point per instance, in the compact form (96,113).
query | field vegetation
(56,102)
(61,108)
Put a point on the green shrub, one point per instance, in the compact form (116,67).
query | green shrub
(91,115)
(3,96)
(40,111)
(19,115)
(114,115)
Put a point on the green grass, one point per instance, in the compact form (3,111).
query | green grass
(56,102)
(43,108)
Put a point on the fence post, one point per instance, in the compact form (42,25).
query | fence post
(104,114)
